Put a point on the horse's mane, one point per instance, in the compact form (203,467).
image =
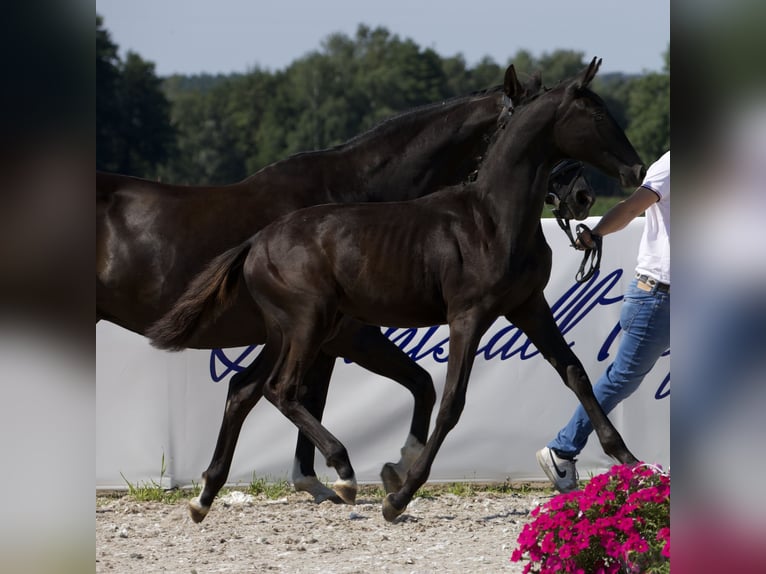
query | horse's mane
(388,122)
(502,121)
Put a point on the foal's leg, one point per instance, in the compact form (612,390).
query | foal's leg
(465,332)
(535,318)
(370,349)
(242,396)
(300,344)
(317,382)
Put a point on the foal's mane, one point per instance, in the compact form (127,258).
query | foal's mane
(506,115)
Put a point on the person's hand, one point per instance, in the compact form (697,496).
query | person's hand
(585,240)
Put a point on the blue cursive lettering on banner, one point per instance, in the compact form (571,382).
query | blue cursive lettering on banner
(230,366)
(436,350)
(663,390)
(568,311)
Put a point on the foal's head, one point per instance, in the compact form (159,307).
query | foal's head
(583,127)
(570,194)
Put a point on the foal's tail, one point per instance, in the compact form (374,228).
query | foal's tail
(208,295)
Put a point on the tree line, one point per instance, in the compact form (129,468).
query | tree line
(213,129)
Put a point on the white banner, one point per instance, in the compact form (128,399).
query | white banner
(153,404)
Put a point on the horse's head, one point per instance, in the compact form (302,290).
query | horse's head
(584,128)
(569,191)
(584,124)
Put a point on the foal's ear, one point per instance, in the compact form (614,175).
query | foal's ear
(511,85)
(589,73)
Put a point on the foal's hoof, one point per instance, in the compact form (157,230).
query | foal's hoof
(197,511)
(346,489)
(392,482)
(390,509)
(626,457)
(332,496)
(319,491)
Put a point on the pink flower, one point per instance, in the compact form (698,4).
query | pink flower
(624,524)
(548,544)
(608,525)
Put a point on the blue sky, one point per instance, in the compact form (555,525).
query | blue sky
(194,36)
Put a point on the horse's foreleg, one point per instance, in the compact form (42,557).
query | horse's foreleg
(370,349)
(242,396)
(465,333)
(536,320)
(317,381)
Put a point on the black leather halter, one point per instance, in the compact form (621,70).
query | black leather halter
(592,255)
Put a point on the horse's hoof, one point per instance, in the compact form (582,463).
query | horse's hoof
(390,511)
(627,458)
(197,511)
(330,495)
(312,486)
(346,490)
(392,482)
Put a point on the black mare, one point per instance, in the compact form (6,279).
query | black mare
(153,238)
(464,256)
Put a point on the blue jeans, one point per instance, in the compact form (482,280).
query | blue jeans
(645,324)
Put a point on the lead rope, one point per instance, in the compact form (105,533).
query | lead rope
(592,254)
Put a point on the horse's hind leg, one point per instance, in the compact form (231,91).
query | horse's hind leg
(536,320)
(285,389)
(242,396)
(317,382)
(369,348)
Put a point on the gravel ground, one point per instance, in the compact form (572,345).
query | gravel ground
(443,533)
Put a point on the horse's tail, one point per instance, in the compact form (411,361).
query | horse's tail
(209,294)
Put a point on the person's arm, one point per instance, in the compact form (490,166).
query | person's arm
(619,216)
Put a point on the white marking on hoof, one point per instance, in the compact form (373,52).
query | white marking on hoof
(346,489)
(196,510)
(410,453)
(311,484)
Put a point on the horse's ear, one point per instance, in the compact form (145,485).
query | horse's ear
(535,83)
(589,73)
(511,85)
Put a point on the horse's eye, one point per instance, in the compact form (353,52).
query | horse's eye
(598,115)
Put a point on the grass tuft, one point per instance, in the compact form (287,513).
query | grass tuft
(269,488)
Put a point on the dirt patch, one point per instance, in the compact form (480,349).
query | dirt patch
(443,533)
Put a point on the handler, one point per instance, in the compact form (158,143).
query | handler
(644,319)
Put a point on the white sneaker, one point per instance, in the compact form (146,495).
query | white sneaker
(561,471)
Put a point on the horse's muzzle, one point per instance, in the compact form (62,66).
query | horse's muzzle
(632,176)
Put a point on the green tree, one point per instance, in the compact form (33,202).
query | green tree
(648,111)
(230,126)
(108,116)
(146,133)
(560,64)
(133,130)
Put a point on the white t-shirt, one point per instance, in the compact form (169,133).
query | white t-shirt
(654,251)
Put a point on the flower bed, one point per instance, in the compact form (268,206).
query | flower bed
(620,522)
